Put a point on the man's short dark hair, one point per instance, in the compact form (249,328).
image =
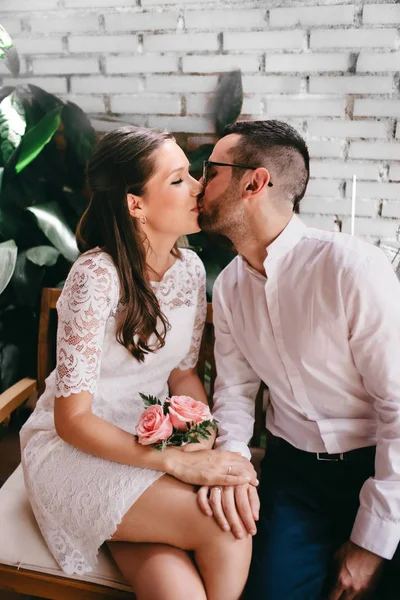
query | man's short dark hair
(279,148)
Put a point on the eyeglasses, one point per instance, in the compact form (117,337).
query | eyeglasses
(208,163)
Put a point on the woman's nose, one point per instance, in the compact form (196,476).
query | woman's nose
(197,187)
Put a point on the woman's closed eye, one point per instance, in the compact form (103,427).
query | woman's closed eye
(176,182)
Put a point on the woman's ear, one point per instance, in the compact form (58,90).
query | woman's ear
(135,206)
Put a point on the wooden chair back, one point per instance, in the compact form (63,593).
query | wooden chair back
(206,364)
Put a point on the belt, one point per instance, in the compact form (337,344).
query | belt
(357,454)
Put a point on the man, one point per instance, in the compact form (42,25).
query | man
(316,316)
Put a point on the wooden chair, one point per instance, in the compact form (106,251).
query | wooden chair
(44,578)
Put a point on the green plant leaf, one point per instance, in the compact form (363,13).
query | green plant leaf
(37,137)
(8,259)
(43,256)
(228,100)
(53,224)
(78,131)
(197,157)
(27,280)
(12,124)
(6,42)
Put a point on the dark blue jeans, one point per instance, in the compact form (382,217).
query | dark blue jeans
(307,512)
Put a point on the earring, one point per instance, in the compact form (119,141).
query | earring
(143,220)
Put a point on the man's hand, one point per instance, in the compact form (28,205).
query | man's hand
(235,508)
(358,572)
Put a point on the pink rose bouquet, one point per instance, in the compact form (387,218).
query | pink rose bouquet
(178,421)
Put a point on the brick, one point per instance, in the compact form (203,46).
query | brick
(65,24)
(304,107)
(264,40)
(65,66)
(110,123)
(390,151)
(341,207)
(43,45)
(145,103)
(181,83)
(105,85)
(102,43)
(325,149)
(391,209)
(182,124)
(53,85)
(347,129)
(271,84)
(381,13)
(387,191)
(140,64)
(252,106)
(318,221)
(398,130)
(323,187)
(224,19)
(381,228)
(353,38)
(12,26)
(173,42)
(196,141)
(215,64)
(91,104)
(311,15)
(335,169)
(91,3)
(199,104)
(14,5)
(351,84)
(365,107)
(394,172)
(164,2)
(141,21)
(306,63)
(369,62)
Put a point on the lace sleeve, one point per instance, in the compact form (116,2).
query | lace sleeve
(192,356)
(89,296)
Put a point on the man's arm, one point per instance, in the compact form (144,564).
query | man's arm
(236,384)
(372,304)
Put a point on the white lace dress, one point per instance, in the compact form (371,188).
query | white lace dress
(78,499)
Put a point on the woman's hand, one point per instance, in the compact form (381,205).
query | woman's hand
(210,467)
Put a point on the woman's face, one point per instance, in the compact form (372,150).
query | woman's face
(169,202)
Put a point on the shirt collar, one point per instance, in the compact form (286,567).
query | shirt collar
(286,240)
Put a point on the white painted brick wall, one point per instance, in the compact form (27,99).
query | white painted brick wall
(328,67)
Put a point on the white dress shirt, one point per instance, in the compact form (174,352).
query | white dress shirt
(322,329)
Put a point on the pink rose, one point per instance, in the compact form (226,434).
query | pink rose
(153,426)
(183,409)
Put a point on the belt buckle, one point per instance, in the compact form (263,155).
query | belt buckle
(326,457)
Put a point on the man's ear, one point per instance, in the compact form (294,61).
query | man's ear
(135,206)
(257,181)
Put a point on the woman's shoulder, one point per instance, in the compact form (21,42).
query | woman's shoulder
(192,262)
(93,271)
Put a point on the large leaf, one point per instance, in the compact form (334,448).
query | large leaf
(43,256)
(8,53)
(37,137)
(27,280)
(12,124)
(52,222)
(228,100)
(78,131)
(8,258)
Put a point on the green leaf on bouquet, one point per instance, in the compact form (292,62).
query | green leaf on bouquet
(150,400)
(166,407)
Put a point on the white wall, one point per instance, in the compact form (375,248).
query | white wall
(332,68)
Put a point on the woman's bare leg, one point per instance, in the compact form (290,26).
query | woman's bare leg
(168,513)
(158,572)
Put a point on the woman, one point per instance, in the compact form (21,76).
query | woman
(131,317)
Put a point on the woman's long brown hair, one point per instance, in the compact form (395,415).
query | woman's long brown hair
(121,164)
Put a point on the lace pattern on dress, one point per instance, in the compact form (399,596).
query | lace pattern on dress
(89,297)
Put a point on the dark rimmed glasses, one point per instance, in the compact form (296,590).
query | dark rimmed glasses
(208,163)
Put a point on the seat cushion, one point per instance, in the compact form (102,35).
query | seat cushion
(22,544)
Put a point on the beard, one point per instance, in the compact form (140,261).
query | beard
(222,216)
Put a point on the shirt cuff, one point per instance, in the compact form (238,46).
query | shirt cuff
(375,534)
(235,447)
